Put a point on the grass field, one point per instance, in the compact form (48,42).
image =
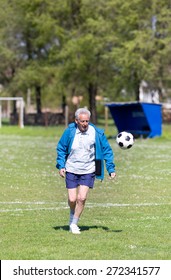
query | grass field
(125,219)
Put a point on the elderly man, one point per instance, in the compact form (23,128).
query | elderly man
(81,152)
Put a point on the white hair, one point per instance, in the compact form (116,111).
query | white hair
(82,111)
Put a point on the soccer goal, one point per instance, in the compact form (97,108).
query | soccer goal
(21,108)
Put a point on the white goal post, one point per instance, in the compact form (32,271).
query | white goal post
(21,111)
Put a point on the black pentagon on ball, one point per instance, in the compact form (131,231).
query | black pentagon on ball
(120,144)
(129,146)
(127,138)
(119,135)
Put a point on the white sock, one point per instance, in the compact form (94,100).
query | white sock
(71,216)
(75,220)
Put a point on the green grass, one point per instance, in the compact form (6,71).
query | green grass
(128,218)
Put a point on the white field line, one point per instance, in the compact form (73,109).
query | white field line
(30,202)
(31,209)
(63,205)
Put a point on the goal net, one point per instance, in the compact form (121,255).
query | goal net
(20,103)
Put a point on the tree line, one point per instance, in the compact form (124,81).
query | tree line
(63,48)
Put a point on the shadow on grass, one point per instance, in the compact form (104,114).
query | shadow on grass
(85,228)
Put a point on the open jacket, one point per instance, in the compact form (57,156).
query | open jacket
(103,151)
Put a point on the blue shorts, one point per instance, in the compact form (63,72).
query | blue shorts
(74,180)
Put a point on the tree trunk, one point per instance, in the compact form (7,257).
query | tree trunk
(137,90)
(92,92)
(38,100)
(136,87)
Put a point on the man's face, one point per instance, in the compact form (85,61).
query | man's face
(82,122)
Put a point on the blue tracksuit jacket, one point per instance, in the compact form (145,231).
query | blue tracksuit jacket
(103,151)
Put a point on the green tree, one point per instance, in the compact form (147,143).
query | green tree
(34,31)
(113,45)
(85,57)
(144,30)
(84,47)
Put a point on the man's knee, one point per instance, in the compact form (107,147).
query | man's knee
(81,199)
(72,199)
(72,196)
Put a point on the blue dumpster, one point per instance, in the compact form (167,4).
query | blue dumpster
(138,118)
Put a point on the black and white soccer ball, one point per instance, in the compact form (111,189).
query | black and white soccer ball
(125,140)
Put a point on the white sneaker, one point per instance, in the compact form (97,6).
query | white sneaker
(74,229)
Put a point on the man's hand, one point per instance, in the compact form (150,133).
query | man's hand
(62,172)
(112,175)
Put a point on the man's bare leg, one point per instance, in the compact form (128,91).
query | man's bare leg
(76,201)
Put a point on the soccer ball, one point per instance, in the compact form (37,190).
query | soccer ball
(125,140)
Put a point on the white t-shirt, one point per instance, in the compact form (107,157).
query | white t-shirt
(81,159)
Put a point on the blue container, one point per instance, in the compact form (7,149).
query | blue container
(138,118)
